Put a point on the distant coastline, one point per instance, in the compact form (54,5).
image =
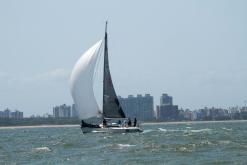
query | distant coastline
(39,121)
(38,126)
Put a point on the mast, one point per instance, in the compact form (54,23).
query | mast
(104,74)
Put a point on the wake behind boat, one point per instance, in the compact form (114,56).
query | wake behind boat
(81,84)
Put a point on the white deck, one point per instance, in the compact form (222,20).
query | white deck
(112,130)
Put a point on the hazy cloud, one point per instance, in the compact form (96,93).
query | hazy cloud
(57,74)
(52,75)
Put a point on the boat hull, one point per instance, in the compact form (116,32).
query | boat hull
(111,130)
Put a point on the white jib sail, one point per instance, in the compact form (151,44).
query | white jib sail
(81,83)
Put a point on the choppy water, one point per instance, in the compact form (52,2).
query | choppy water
(187,143)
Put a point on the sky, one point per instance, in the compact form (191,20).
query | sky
(195,50)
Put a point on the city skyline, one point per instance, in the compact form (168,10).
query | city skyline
(195,50)
(132,105)
(143,109)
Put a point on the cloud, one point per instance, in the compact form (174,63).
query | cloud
(3,75)
(224,78)
(52,75)
(6,78)
(58,74)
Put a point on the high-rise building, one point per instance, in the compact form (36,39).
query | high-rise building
(140,106)
(74,111)
(56,111)
(66,110)
(62,111)
(1,114)
(7,114)
(17,115)
(166,110)
(165,99)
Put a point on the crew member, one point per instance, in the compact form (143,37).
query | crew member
(104,123)
(129,123)
(119,122)
(135,121)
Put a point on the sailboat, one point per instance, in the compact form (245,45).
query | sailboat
(81,86)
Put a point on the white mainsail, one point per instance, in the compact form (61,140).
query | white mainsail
(81,83)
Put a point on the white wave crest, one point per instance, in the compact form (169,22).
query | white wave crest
(201,130)
(169,130)
(224,141)
(44,149)
(163,129)
(125,145)
(228,129)
(147,130)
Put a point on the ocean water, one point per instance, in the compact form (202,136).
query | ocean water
(169,144)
